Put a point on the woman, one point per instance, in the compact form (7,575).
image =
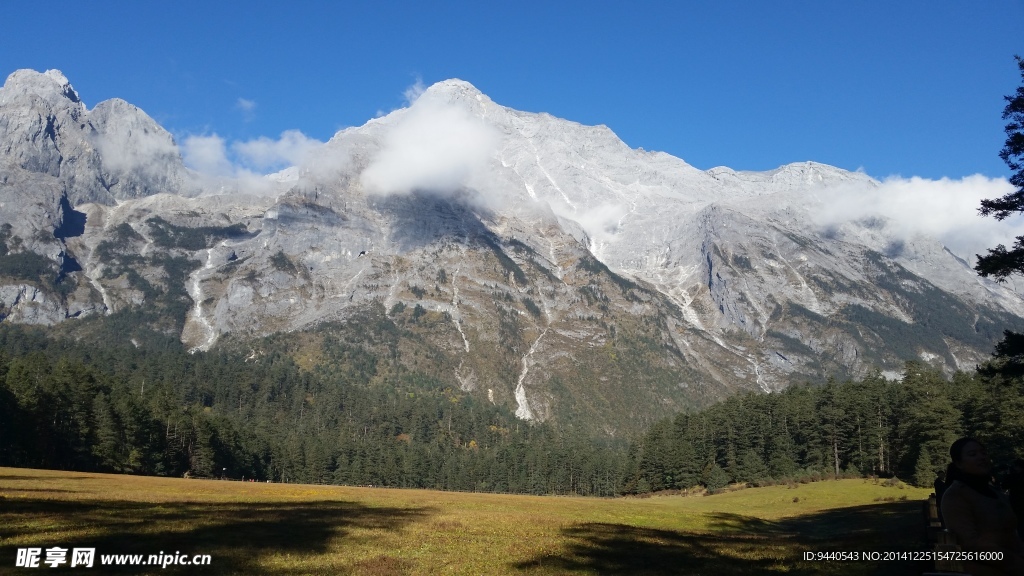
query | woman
(979,515)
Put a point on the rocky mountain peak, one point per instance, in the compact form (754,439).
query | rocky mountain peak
(458,93)
(453,86)
(104,155)
(51,86)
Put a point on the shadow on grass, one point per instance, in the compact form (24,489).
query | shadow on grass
(45,490)
(742,545)
(42,478)
(239,537)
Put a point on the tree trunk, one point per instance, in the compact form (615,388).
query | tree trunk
(835,453)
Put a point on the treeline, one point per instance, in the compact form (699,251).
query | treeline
(95,402)
(90,405)
(874,426)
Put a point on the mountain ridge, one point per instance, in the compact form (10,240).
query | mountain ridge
(558,271)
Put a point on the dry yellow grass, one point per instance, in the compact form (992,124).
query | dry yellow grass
(253,528)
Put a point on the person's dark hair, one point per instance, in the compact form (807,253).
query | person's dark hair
(980,484)
(956,449)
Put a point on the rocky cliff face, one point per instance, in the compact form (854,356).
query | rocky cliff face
(548,267)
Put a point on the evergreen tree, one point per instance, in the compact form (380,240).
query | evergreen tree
(751,467)
(835,424)
(1001,262)
(656,460)
(924,471)
(200,453)
(930,421)
(780,456)
(715,478)
(107,444)
(686,471)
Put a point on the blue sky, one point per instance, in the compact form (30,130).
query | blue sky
(908,88)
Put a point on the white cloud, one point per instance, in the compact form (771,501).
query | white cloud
(246,105)
(263,154)
(137,149)
(241,165)
(207,155)
(213,156)
(413,93)
(945,209)
(433,146)
(601,222)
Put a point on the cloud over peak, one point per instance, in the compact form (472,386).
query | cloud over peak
(944,209)
(434,145)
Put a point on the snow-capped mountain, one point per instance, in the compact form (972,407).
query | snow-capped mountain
(535,261)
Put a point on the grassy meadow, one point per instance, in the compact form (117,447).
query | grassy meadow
(253,528)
